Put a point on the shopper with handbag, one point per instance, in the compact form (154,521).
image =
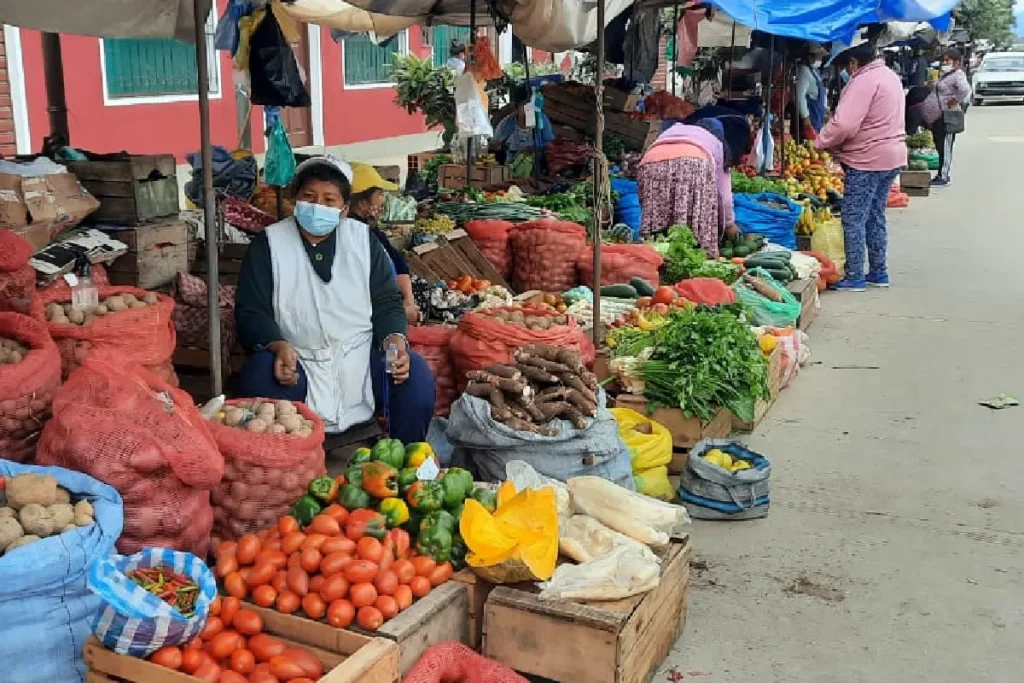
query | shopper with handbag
(943,111)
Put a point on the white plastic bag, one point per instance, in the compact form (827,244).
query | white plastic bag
(618,575)
(764,154)
(644,519)
(584,539)
(470,112)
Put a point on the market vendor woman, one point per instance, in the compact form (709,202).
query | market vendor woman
(512,136)
(317,306)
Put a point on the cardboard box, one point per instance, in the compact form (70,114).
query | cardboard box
(53,202)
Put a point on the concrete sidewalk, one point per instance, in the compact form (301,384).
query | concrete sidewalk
(894,551)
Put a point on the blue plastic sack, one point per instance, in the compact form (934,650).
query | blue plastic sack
(133,621)
(45,606)
(778,225)
(709,491)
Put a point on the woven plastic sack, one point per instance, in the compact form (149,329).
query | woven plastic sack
(453,662)
(264,474)
(45,607)
(709,491)
(829,240)
(757,213)
(129,429)
(17,278)
(709,291)
(492,239)
(544,255)
(763,311)
(619,263)
(131,620)
(432,343)
(141,335)
(481,340)
(27,387)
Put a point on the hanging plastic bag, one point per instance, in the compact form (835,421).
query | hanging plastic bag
(470,111)
(132,621)
(765,312)
(273,72)
(764,150)
(829,240)
(280,165)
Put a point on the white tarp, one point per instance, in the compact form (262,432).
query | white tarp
(342,16)
(106,18)
(718,32)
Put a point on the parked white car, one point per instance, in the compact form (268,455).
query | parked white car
(999,78)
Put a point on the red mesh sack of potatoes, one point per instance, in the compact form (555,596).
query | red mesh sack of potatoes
(491,238)
(544,255)
(432,342)
(452,661)
(143,335)
(619,263)
(17,277)
(268,462)
(126,427)
(29,377)
(490,336)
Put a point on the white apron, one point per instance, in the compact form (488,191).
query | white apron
(328,324)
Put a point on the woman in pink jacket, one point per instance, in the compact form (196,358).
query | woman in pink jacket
(866,135)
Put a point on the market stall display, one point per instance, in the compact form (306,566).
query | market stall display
(545,253)
(29,377)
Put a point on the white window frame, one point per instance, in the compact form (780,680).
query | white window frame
(213,56)
(403,50)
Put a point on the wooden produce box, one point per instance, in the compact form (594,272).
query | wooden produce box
(453,176)
(686,431)
(620,100)
(450,257)
(133,190)
(595,642)
(477,591)
(568,108)
(916,179)
(442,615)
(806,291)
(357,659)
(229,262)
(156,253)
(762,406)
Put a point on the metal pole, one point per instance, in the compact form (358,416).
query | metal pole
(472,52)
(766,127)
(53,71)
(209,200)
(599,165)
(536,148)
(732,49)
(782,113)
(675,47)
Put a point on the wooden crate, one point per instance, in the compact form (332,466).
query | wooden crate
(570,109)
(131,190)
(480,265)
(762,406)
(598,642)
(806,291)
(229,262)
(477,592)
(453,176)
(442,615)
(918,191)
(156,253)
(360,659)
(686,431)
(915,179)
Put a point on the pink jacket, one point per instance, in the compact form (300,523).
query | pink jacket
(867,130)
(695,135)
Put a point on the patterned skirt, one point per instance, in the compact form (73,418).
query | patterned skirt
(681,192)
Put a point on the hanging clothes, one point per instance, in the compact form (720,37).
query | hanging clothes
(642,48)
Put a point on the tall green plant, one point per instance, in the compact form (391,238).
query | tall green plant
(424,88)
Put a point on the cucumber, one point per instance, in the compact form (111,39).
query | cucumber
(642,286)
(619,291)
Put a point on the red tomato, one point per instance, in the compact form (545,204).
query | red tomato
(369,618)
(403,596)
(334,587)
(224,548)
(336,511)
(387,605)
(280,580)
(263,647)
(229,676)
(360,571)
(285,667)
(386,582)
(264,596)
(260,575)
(310,665)
(404,570)
(215,606)
(228,609)
(338,544)
(243,661)
(400,543)
(287,524)
(310,559)
(362,594)
(292,541)
(191,659)
(223,645)
(234,584)
(314,606)
(316,583)
(369,548)
(441,573)
(298,581)
(314,541)
(287,602)
(335,562)
(225,565)
(340,614)
(273,557)
(207,671)
(420,586)
(324,524)
(424,565)
(387,560)
(169,656)
(248,622)
(214,625)
(294,560)
(262,675)
(248,547)
(663,295)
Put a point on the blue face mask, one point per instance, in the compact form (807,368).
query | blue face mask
(316,219)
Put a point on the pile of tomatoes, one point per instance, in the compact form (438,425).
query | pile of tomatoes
(335,569)
(468,285)
(233,649)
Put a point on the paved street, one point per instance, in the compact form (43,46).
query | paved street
(894,551)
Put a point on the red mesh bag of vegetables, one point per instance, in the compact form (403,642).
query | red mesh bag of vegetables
(619,263)
(268,462)
(544,254)
(126,427)
(453,661)
(17,278)
(490,336)
(491,238)
(28,382)
(432,342)
(143,335)
(485,64)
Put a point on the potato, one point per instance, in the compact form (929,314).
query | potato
(151,298)
(24,540)
(53,310)
(8,512)
(129,298)
(266,412)
(116,303)
(308,424)
(83,520)
(256,425)
(10,531)
(291,422)
(62,514)
(277,428)
(77,316)
(101,310)
(31,488)
(63,496)
(233,416)
(84,507)
(304,431)
(286,408)
(36,519)
(137,304)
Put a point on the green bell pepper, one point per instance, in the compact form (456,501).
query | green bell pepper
(413,525)
(352,497)
(425,496)
(305,509)
(458,553)
(457,484)
(436,543)
(354,474)
(360,456)
(486,497)
(438,519)
(395,511)
(406,478)
(457,514)
(390,452)
(324,489)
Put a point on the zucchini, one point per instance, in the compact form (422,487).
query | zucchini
(619,291)
(642,286)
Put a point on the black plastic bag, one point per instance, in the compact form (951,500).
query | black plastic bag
(273,72)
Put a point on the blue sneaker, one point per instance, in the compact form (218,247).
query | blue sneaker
(939,182)
(878,281)
(845,285)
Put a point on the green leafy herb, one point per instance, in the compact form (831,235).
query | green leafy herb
(684,256)
(722,270)
(742,184)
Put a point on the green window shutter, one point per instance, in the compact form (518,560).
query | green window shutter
(366,62)
(442,38)
(149,66)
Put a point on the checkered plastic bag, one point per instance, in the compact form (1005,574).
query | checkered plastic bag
(133,621)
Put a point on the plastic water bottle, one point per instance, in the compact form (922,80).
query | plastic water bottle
(391,358)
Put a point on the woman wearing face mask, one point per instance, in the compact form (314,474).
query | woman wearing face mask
(316,309)
(866,136)
(949,93)
(367,206)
